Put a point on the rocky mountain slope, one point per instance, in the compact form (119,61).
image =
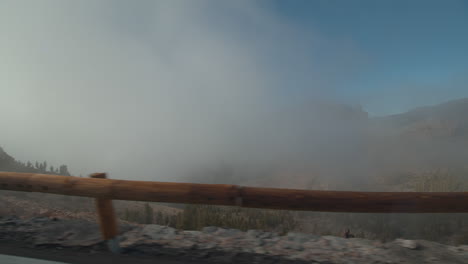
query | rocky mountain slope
(452,113)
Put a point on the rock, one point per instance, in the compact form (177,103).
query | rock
(410,244)
(267,235)
(228,232)
(210,229)
(157,232)
(254,241)
(231,245)
(300,237)
(40,219)
(259,250)
(9,223)
(193,233)
(69,233)
(208,245)
(253,233)
(12,218)
(294,246)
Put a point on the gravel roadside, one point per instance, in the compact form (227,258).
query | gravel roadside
(220,245)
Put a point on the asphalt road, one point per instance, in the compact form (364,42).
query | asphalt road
(7,259)
(11,248)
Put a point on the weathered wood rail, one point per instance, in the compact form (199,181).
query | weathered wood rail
(234,195)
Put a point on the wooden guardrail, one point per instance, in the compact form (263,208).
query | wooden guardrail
(106,190)
(234,195)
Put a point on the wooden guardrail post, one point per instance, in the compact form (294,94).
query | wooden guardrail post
(107,219)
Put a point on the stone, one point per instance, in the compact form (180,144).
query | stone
(9,222)
(256,241)
(266,235)
(208,245)
(300,237)
(210,229)
(40,219)
(294,246)
(193,233)
(410,244)
(253,233)
(231,245)
(157,232)
(228,232)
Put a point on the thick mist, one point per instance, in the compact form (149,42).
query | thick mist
(179,91)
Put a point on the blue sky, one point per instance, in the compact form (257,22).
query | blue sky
(415,51)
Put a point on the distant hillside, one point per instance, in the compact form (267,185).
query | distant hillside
(437,134)
(449,119)
(424,141)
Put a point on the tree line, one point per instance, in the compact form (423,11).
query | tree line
(8,163)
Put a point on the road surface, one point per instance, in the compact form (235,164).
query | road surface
(10,249)
(7,259)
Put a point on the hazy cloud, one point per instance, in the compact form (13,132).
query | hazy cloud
(148,89)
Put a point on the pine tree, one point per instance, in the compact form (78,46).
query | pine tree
(64,170)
